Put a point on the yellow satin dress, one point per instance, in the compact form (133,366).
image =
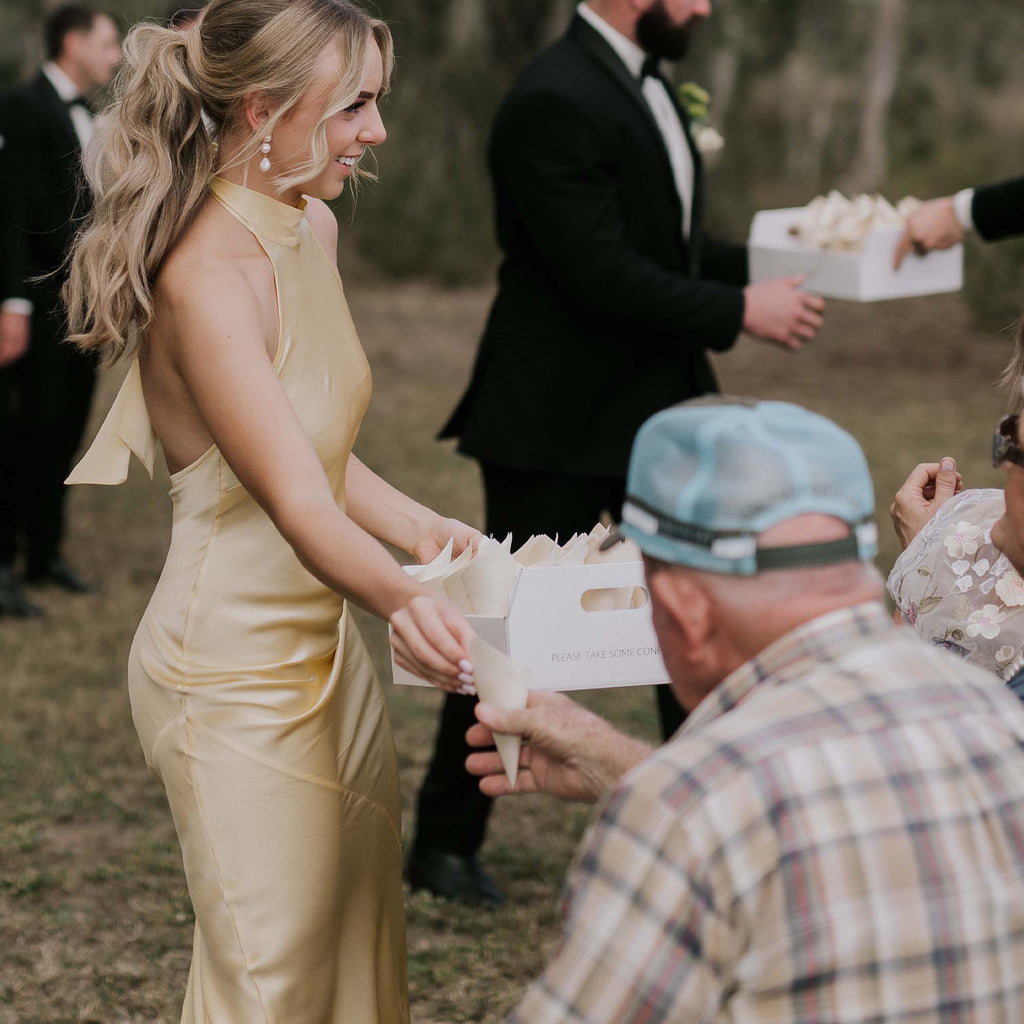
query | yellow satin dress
(257,704)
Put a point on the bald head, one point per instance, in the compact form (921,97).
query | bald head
(709,624)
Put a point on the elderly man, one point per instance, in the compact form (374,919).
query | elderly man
(837,831)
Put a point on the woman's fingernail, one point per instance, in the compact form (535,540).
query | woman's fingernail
(466,666)
(948,465)
(467,690)
(465,677)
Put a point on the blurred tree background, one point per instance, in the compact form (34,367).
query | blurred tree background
(901,96)
(904,97)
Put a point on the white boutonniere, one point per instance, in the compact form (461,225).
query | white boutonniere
(696,102)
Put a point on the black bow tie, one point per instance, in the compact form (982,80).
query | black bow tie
(651,68)
(77,101)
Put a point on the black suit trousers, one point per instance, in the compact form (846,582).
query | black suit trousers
(44,405)
(452,812)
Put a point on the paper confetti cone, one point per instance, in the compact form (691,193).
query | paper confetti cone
(483,585)
(499,680)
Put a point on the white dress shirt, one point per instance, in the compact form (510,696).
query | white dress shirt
(662,108)
(67,90)
(962,206)
(81,119)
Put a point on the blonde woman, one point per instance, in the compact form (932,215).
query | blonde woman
(209,260)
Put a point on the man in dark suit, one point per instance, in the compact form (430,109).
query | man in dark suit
(994,211)
(45,384)
(611,293)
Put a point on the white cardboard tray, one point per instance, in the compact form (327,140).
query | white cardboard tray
(564,647)
(865,276)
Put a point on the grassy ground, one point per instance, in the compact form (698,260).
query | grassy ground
(95,921)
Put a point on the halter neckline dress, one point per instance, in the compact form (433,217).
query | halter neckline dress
(256,701)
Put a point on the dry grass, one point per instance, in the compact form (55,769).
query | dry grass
(94,918)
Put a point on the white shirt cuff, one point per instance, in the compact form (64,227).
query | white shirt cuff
(22,306)
(962,206)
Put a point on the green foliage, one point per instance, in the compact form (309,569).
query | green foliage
(695,101)
(787,84)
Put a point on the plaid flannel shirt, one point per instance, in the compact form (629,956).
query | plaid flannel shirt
(836,834)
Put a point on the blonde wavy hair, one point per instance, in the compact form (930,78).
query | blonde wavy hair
(1011,384)
(157,144)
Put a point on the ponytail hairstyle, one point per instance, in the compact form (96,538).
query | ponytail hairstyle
(156,146)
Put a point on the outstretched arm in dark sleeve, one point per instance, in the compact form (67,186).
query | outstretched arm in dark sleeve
(998,210)
(724,261)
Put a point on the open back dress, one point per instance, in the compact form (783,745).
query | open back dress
(256,702)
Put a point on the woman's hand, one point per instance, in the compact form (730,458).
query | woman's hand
(430,638)
(929,486)
(429,635)
(433,542)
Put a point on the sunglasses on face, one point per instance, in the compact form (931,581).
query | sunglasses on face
(1004,443)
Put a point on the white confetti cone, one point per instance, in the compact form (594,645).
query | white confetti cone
(539,546)
(597,536)
(439,564)
(616,598)
(572,552)
(499,680)
(435,577)
(483,586)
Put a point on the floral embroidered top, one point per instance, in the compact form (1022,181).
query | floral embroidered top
(958,591)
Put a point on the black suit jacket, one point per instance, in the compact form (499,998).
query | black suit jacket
(42,196)
(998,210)
(604,311)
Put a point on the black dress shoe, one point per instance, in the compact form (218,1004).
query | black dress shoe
(453,877)
(13,601)
(58,573)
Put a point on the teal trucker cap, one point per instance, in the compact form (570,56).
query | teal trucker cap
(707,476)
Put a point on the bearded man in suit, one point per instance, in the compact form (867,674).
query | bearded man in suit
(45,384)
(611,294)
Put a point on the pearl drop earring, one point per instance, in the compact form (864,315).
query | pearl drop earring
(265,149)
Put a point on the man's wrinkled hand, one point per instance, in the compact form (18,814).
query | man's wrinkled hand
(567,752)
